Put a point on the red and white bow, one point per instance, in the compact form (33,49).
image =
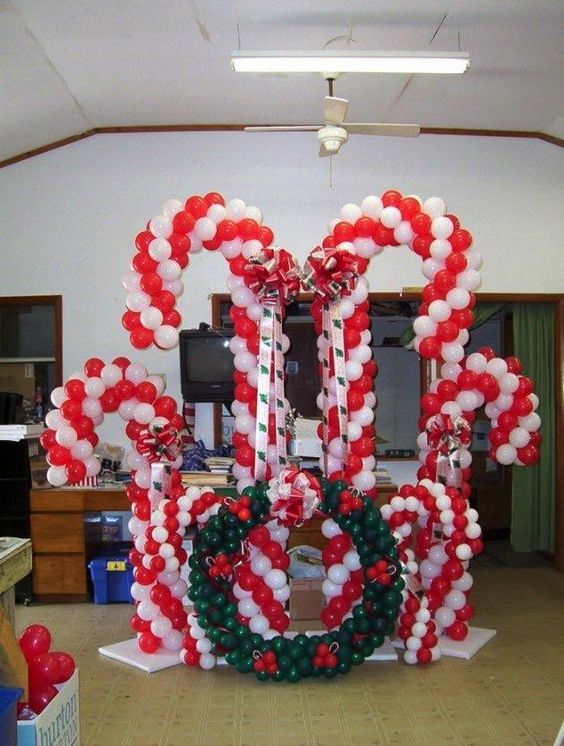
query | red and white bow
(294,496)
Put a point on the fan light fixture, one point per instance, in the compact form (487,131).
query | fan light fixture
(348,61)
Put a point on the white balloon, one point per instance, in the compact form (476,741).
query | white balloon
(151,318)
(205,229)
(424,326)
(56,475)
(455,600)
(476,362)
(531,422)
(58,396)
(282,594)
(458,298)
(148,611)
(247,607)
(144,413)
(160,249)
(166,337)
(365,247)
(157,382)
(469,279)
(66,436)
(171,207)
(251,248)
(173,642)
(54,420)
(275,579)
(94,387)
(509,383)
(439,310)
(111,374)
(506,454)
(254,213)
(259,624)
(364,480)
(467,401)
(390,217)
(91,407)
(244,361)
(364,416)
(434,207)
(161,226)
(329,529)
(441,227)
(430,267)
(135,372)
(236,209)
(347,308)
(497,367)
(232,249)
(372,207)
(338,574)
(354,431)
(330,589)
(137,301)
(169,270)
(93,466)
(440,249)
(242,297)
(404,233)
(353,370)
(174,286)
(445,616)
(131,281)
(81,450)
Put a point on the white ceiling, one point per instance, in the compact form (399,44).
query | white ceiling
(68,66)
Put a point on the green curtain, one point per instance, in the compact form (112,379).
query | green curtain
(534,487)
(482,312)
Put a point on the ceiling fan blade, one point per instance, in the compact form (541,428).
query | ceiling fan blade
(284,128)
(393,130)
(334,110)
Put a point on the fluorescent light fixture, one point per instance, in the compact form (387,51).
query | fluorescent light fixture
(331,61)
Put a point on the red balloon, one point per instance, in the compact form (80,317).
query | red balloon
(522,406)
(146,392)
(529,454)
(148,642)
(245,456)
(457,631)
(447,331)
(71,409)
(130,320)
(421,223)
(266,236)
(507,421)
(93,366)
(513,365)
(344,231)
(245,327)
(196,206)
(58,455)
(429,347)
(364,227)
(124,389)
(74,389)
(362,447)
(421,245)
(456,262)
(143,263)
(445,280)
(164,301)
(141,338)
(40,698)
(165,406)
(47,439)
(447,390)
(34,640)
(460,240)
(75,471)
(43,669)
(183,222)
(248,229)
(151,283)
(143,239)
(409,207)
(466,380)
(431,403)
(391,198)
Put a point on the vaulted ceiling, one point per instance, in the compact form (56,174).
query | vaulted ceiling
(70,66)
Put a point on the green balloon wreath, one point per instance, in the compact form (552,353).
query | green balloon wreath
(280,658)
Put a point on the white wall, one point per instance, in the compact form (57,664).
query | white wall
(68,217)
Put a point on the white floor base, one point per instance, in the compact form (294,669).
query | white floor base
(128,652)
(475,640)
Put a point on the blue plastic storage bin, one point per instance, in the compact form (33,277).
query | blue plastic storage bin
(8,715)
(112,576)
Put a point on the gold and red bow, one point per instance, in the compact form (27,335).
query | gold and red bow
(294,496)
(330,273)
(445,435)
(160,443)
(273,276)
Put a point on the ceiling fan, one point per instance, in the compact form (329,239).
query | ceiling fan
(334,132)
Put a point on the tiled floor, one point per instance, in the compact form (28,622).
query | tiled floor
(512,692)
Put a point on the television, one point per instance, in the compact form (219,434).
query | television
(206,365)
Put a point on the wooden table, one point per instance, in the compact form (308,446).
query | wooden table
(60,553)
(58,537)
(15,564)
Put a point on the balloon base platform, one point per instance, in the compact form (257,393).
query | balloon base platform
(128,652)
(475,640)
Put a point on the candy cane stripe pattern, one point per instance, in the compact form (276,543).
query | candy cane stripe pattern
(372,562)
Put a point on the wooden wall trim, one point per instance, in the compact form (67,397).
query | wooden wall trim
(559,428)
(129,129)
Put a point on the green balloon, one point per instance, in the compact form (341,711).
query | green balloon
(304,666)
(329,673)
(362,625)
(284,662)
(294,675)
(279,675)
(357,658)
(245,666)
(233,658)
(343,666)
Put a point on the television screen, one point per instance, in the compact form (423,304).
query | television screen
(209,360)
(206,365)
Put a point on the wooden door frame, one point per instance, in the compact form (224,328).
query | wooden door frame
(557,299)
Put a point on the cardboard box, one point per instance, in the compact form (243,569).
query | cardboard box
(18,378)
(58,724)
(306,598)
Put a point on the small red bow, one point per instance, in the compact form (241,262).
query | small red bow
(331,273)
(444,433)
(274,276)
(294,496)
(160,443)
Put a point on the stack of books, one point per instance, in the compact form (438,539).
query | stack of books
(206,478)
(219,464)
(19,432)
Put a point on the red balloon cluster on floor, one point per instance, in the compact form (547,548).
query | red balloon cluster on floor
(46,668)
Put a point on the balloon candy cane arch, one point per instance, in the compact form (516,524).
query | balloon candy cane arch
(438,583)
(239,585)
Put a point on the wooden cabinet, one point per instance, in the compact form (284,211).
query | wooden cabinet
(60,553)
